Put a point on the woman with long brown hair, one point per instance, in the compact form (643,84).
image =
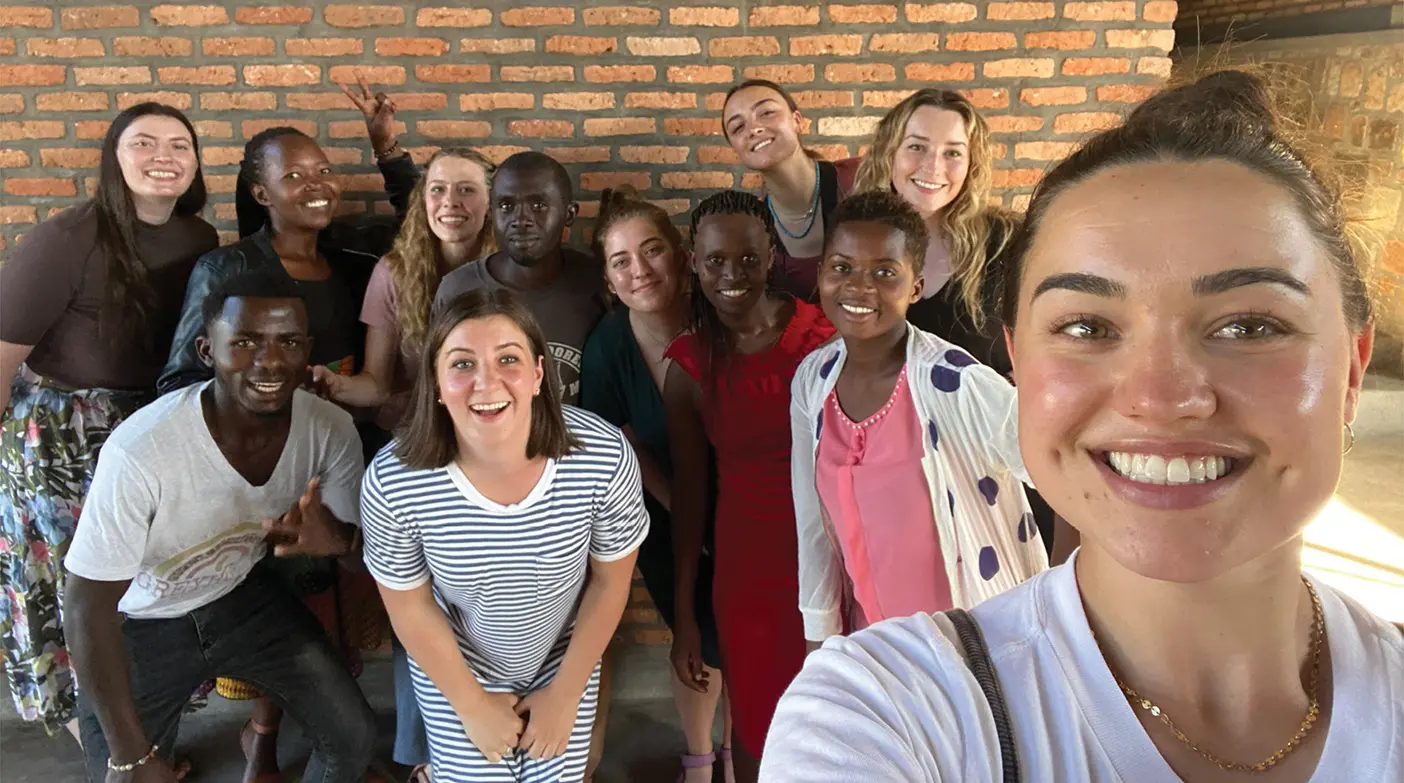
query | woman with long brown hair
(88,304)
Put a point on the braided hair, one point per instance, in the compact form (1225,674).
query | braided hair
(252,215)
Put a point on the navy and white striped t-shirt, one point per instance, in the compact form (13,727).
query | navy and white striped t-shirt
(508,577)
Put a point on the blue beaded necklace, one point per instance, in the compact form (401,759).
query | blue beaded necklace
(813,210)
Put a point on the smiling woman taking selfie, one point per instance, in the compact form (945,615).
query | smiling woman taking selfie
(1190,330)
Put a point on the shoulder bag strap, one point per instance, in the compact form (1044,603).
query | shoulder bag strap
(977,657)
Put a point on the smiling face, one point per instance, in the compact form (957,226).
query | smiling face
(529,212)
(760,126)
(487,377)
(641,267)
(299,187)
(157,157)
(258,348)
(867,280)
(732,256)
(932,159)
(456,199)
(1184,366)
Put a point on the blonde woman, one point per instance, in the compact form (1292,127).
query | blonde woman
(445,227)
(933,149)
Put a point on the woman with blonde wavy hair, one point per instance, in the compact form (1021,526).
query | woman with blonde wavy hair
(933,149)
(445,227)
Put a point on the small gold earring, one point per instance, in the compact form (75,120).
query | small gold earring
(1350,444)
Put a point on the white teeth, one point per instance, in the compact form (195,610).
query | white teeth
(857,310)
(923,184)
(452,221)
(761,145)
(1156,469)
(318,204)
(268,387)
(161,175)
(489,407)
(733,293)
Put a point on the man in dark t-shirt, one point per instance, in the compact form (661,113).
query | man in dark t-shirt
(532,205)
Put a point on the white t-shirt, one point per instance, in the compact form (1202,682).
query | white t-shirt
(167,510)
(896,703)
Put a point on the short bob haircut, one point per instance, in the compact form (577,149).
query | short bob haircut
(426,440)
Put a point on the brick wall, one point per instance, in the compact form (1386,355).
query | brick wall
(621,93)
(1217,11)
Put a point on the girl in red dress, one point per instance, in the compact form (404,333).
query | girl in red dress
(730,386)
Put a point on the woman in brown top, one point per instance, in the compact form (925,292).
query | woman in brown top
(88,304)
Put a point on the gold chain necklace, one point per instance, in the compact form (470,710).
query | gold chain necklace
(1318,632)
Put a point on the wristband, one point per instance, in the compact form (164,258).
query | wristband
(394,147)
(150,754)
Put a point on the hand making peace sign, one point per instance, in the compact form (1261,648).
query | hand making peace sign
(379,112)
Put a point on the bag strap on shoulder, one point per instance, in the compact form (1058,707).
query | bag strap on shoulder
(977,658)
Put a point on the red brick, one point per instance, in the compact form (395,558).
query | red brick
(662,47)
(363,15)
(673,155)
(214,129)
(26,16)
(493,101)
(40,186)
(454,129)
(704,17)
(599,180)
(862,14)
(622,15)
(64,47)
(822,99)
(99,16)
(536,73)
(541,129)
(811,45)
(356,129)
(581,44)
(149,46)
(272,14)
(19,159)
(1053,96)
(1016,178)
(189,15)
(243,101)
(784,16)
(537,17)
(1095,66)
(410,47)
(940,12)
(620,73)
(980,42)
(373,74)
(96,129)
(1126,93)
(884,99)
(660,100)
(69,158)
(131,75)
(1019,11)
(1005,123)
(11,103)
(71,101)
(1044,150)
(453,73)
(222,156)
(715,155)
(251,128)
(577,101)
(620,126)
(31,129)
(315,101)
(1100,12)
(421,101)
(744,46)
(210,74)
(226,210)
(497,45)
(495,153)
(701,74)
(1163,40)
(715,101)
(1154,66)
(236,47)
(905,43)
(848,126)
(179,100)
(697,180)
(281,75)
(453,17)
(944,72)
(323,47)
(781,74)
(7,46)
(987,98)
(1160,11)
(579,154)
(1061,39)
(693,126)
(32,75)
(1085,122)
(10,216)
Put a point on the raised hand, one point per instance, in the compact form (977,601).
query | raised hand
(308,529)
(550,718)
(492,725)
(379,112)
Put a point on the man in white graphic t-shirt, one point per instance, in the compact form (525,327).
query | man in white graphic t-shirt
(166,590)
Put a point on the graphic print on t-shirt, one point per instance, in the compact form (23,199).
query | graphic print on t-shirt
(207,567)
(566,359)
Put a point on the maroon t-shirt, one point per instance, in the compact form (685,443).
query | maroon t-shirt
(53,287)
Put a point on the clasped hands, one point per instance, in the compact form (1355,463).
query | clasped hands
(540,724)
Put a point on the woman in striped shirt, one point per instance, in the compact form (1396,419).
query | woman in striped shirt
(502,528)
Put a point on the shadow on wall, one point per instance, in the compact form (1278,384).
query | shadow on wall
(1356,106)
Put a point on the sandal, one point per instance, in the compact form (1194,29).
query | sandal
(422,773)
(695,761)
(724,755)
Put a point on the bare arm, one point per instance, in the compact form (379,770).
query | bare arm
(94,630)
(654,479)
(601,607)
(682,400)
(11,357)
(371,386)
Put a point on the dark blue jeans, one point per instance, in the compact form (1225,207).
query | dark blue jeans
(261,634)
(411,743)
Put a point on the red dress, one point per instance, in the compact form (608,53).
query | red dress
(746,413)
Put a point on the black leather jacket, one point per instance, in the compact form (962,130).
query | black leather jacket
(352,246)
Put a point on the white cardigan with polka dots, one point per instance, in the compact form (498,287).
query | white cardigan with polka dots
(972,464)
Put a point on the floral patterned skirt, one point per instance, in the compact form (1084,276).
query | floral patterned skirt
(49,442)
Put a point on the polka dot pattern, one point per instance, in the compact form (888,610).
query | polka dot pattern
(828,366)
(989,563)
(931,430)
(819,423)
(1027,528)
(950,498)
(957,358)
(945,379)
(989,488)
